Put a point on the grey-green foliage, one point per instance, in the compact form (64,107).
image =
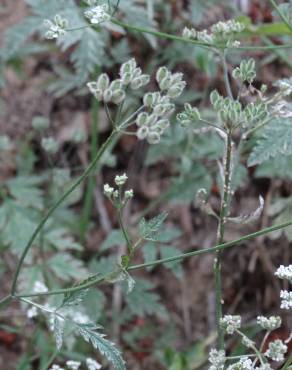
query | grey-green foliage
(281,210)
(89,45)
(275,139)
(90,332)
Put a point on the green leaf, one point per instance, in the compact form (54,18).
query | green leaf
(90,333)
(149,252)
(59,238)
(141,301)
(66,267)
(276,139)
(148,229)
(114,239)
(73,298)
(26,191)
(175,266)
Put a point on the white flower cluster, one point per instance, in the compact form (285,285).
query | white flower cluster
(56,28)
(284,272)
(91,364)
(217,359)
(230,323)
(114,92)
(50,145)
(286,297)
(39,287)
(73,365)
(98,14)
(153,123)
(113,194)
(221,32)
(242,364)
(269,323)
(32,312)
(276,350)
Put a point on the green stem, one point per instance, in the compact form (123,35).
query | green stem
(225,72)
(253,347)
(161,261)
(281,15)
(220,237)
(124,231)
(99,154)
(91,180)
(5,300)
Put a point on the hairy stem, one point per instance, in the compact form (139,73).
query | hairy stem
(88,170)
(220,237)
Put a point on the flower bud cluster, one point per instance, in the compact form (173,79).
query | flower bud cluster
(255,112)
(285,272)
(107,91)
(229,110)
(114,92)
(269,323)
(152,124)
(189,116)
(246,71)
(115,194)
(132,75)
(221,33)
(230,323)
(276,350)
(90,363)
(217,359)
(56,28)
(98,14)
(170,83)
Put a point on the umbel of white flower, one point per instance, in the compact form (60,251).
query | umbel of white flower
(114,91)
(276,350)
(56,28)
(284,272)
(286,299)
(230,323)
(269,323)
(98,14)
(217,359)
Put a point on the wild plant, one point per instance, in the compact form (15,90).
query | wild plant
(239,115)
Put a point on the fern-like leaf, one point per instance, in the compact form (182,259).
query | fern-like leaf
(90,334)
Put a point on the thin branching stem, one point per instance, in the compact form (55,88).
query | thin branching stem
(220,237)
(179,257)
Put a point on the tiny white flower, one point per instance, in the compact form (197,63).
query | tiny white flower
(50,145)
(39,287)
(73,365)
(108,190)
(129,194)
(121,180)
(98,14)
(276,350)
(56,28)
(269,323)
(32,312)
(92,364)
(284,272)
(217,359)
(286,297)
(56,367)
(230,323)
